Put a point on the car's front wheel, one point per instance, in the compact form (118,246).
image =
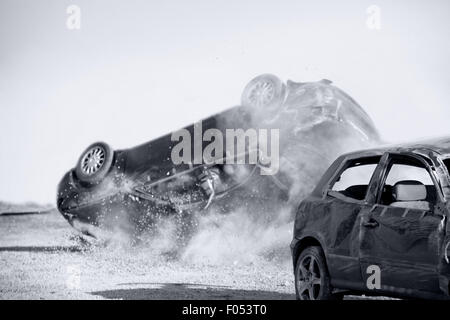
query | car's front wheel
(312,280)
(94,163)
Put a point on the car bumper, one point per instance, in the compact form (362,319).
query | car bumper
(293,247)
(94,211)
(87,207)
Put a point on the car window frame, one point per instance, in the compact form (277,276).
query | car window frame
(388,157)
(177,175)
(344,166)
(446,166)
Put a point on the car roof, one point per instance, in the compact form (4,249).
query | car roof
(440,146)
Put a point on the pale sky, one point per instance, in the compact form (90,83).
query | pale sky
(139,69)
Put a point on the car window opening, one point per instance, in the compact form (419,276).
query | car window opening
(408,185)
(354,180)
(447,164)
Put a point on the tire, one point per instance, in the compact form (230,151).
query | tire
(312,280)
(94,163)
(265,91)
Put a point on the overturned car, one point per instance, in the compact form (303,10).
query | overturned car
(305,126)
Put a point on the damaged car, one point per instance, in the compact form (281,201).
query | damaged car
(377,224)
(133,188)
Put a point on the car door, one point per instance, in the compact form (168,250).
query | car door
(402,238)
(344,200)
(180,191)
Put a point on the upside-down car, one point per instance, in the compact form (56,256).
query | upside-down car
(316,122)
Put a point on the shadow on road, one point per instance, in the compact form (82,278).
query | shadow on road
(180,291)
(52,249)
(24,213)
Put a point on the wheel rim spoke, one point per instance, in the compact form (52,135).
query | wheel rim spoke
(316,281)
(303,287)
(311,293)
(311,265)
(303,270)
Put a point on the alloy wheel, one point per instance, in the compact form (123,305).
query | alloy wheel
(309,278)
(93,160)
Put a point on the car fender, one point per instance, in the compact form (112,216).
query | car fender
(304,238)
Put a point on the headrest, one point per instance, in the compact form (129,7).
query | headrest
(409,190)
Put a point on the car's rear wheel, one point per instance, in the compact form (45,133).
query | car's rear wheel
(94,163)
(312,280)
(264,91)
